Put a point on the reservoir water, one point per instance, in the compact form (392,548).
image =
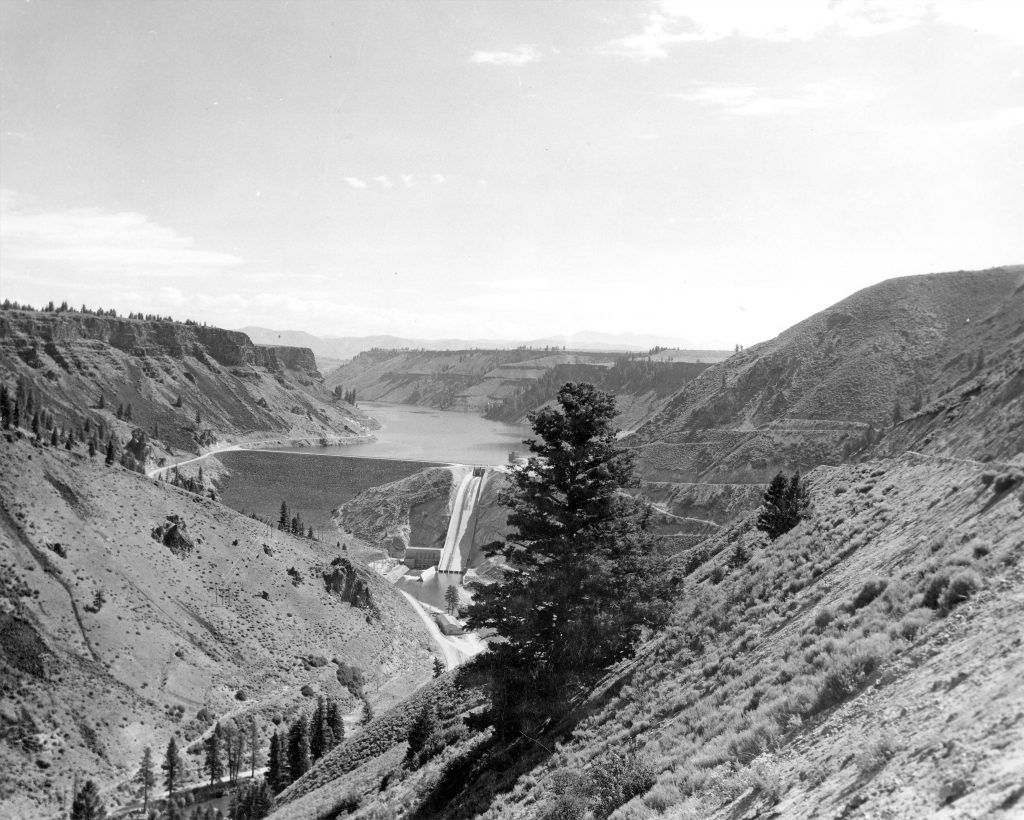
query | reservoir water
(411,433)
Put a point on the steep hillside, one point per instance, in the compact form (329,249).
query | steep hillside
(189,386)
(866,664)
(505,384)
(131,610)
(931,353)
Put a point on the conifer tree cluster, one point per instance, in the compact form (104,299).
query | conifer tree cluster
(287,522)
(64,307)
(783,506)
(303,743)
(194,484)
(23,407)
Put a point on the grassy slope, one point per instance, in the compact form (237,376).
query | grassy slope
(801,398)
(113,681)
(776,690)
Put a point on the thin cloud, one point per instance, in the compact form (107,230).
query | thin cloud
(407,180)
(518,56)
(750,100)
(91,240)
(438,178)
(675,22)
(355,182)
(384,182)
(998,121)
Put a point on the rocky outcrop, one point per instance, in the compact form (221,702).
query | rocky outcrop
(343,579)
(174,535)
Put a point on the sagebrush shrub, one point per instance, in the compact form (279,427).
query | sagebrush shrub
(913,622)
(934,588)
(871,590)
(961,587)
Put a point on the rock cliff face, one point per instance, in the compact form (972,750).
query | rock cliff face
(188,386)
(140,338)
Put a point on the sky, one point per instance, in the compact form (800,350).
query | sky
(711,172)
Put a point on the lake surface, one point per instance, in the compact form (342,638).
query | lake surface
(411,433)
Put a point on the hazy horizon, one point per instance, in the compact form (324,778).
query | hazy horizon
(706,172)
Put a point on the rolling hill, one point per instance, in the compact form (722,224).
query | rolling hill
(896,361)
(132,610)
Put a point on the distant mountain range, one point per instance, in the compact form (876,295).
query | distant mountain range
(346,347)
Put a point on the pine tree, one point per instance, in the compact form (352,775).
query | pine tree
(423,726)
(146,777)
(588,580)
(213,765)
(35,424)
(171,766)
(111,455)
(128,412)
(120,411)
(254,746)
(451,598)
(275,773)
(54,438)
(5,407)
(438,668)
(783,505)
(317,730)
(252,801)
(92,448)
(70,443)
(282,522)
(298,748)
(335,722)
(87,804)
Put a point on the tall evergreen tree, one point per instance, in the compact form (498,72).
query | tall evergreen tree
(111,455)
(35,424)
(335,721)
(587,579)
(172,767)
(451,598)
(254,745)
(277,768)
(423,726)
(783,505)
(146,777)
(298,748)
(284,519)
(213,764)
(54,438)
(87,804)
(5,407)
(317,731)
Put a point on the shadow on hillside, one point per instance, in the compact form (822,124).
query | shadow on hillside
(469,783)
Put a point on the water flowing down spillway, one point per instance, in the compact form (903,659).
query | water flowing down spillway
(457,547)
